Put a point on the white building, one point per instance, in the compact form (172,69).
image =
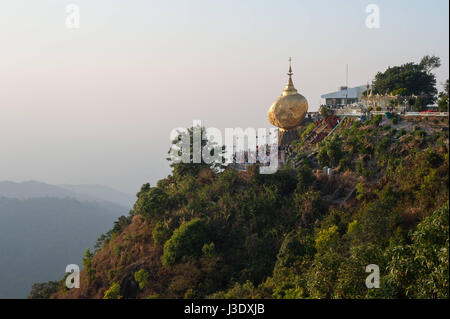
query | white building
(344,96)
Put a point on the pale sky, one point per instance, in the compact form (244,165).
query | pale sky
(95,105)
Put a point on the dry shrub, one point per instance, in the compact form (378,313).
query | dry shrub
(205,176)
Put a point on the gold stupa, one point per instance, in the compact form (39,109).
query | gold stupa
(290,109)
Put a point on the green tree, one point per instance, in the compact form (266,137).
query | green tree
(409,79)
(160,233)
(327,239)
(377,120)
(400,92)
(322,276)
(421,269)
(209,250)
(443,99)
(430,62)
(325,111)
(189,165)
(351,276)
(44,290)
(305,178)
(431,252)
(88,265)
(151,201)
(113,292)
(330,152)
(141,276)
(296,245)
(188,240)
(420,103)
(379,218)
(238,291)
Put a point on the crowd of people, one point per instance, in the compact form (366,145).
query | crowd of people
(248,157)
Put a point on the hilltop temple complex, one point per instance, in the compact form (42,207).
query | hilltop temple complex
(289,113)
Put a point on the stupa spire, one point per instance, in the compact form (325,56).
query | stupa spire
(290,89)
(290,67)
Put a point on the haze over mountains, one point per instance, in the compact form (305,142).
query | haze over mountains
(45,227)
(85,192)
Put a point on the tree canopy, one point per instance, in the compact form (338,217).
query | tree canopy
(409,79)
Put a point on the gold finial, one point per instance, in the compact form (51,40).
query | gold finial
(289,89)
(290,67)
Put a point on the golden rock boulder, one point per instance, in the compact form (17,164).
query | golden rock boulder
(290,109)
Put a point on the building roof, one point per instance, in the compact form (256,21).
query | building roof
(353,93)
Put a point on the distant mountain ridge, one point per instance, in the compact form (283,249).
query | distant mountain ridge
(102,192)
(85,192)
(40,236)
(44,227)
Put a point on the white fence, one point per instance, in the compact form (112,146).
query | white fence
(426,114)
(357,112)
(348,112)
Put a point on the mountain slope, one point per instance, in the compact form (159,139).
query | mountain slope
(298,233)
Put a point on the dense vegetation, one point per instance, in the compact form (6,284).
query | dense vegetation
(206,233)
(443,98)
(410,79)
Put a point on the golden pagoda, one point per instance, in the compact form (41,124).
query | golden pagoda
(288,111)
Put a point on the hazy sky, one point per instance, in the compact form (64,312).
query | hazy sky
(97,104)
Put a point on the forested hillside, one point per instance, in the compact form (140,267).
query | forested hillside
(295,234)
